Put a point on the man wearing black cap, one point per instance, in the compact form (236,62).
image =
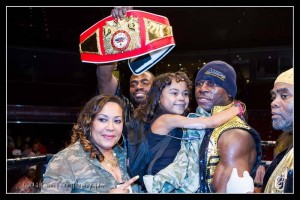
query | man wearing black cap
(207,157)
(232,145)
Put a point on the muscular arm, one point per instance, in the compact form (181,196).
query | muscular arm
(106,81)
(236,149)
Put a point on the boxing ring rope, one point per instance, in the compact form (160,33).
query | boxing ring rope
(13,163)
(268,143)
(25,161)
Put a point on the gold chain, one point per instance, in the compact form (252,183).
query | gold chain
(112,163)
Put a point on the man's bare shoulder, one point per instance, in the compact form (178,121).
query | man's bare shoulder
(239,137)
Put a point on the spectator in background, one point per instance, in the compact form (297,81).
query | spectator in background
(10,144)
(16,153)
(25,148)
(32,151)
(10,147)
(26,183)
(41,147)
(28,139)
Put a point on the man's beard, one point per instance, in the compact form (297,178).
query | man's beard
(137,101)
(283,124)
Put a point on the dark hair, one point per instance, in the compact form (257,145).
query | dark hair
(82,129)
(147,111)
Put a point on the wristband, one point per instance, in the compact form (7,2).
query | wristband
(241,106)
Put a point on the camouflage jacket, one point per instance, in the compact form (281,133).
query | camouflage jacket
(73,171)
(181,176)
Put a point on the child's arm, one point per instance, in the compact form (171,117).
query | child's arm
(220,118)
(167,122)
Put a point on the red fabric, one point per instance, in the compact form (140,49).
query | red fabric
(42,149)
(144,49)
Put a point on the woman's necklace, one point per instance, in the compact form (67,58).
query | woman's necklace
(113,162)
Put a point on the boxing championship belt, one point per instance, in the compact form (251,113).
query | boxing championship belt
(141,37)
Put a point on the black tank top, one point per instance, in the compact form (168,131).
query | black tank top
(171,151)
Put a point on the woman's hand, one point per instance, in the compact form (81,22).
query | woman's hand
(123,188)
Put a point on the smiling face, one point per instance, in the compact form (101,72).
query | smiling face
(282,106)
(139,87)
(107,126)
(175,97)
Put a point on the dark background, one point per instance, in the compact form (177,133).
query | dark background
(43,60)
(195,28)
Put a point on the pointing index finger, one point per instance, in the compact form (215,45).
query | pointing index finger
(129,182)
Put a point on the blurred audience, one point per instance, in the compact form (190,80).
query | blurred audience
(26,183)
